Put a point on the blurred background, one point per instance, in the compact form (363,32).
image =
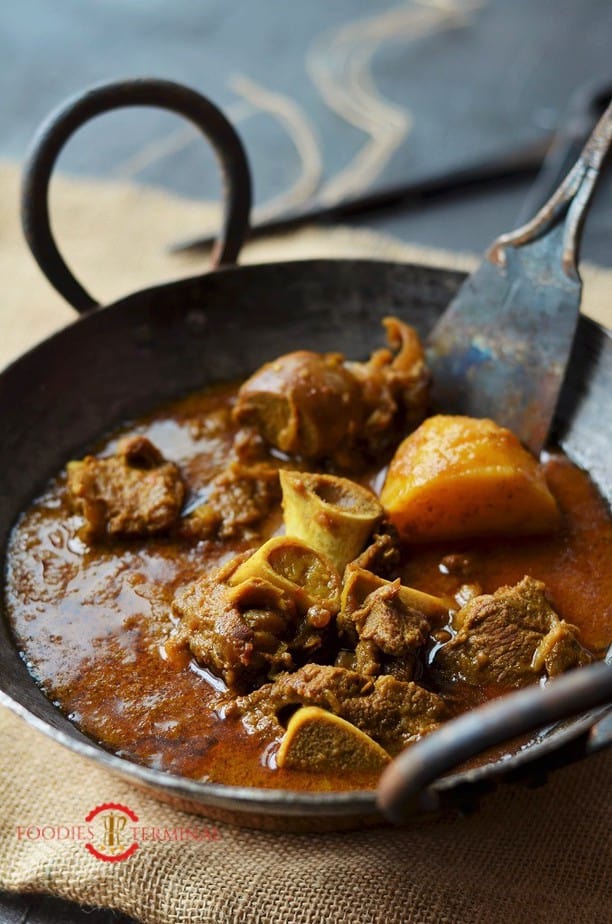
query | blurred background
(334,101)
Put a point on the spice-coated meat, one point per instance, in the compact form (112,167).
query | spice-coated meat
(240,498)
(383,555)
(385,620)
(317,406)
(245,634)
(395,389)
(133,493)
(392,712)
(304,403)
(510,638)
(387,634)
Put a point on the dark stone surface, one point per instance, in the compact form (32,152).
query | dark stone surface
(42,909)
(500,76)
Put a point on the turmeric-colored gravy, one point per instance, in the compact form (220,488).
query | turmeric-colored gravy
(90,619)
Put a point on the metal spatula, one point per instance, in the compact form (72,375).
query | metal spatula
(501,348)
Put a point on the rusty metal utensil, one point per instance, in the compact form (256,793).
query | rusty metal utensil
(502,346)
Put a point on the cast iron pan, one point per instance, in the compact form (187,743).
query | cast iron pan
(118,362)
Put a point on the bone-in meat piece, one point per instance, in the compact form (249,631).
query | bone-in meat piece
(392,712)
(331,514)
(318,406)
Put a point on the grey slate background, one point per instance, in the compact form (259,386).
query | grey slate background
(474,90)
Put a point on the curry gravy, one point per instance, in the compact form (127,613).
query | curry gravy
(90,621)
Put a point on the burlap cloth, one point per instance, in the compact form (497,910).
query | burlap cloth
(528,855)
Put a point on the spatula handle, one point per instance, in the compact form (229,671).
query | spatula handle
(568,204)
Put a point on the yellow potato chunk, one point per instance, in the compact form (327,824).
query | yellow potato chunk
(318,740)
(461,477)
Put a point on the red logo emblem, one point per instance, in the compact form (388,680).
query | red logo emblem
(112,832)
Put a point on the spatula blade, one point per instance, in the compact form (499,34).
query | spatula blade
(501,348)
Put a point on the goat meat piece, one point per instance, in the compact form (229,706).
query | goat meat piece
(395,629)
(383,555)
(246,634)
(133,493)
(395,386)
(510,638)
(305,404)
(392,712)
(319,407)
(242,496)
